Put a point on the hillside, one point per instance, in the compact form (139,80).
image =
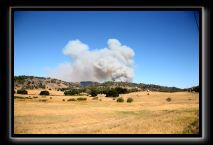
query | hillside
(32,82)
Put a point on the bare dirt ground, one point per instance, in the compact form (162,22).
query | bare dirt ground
(147,114)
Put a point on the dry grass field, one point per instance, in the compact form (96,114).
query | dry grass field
(147,114)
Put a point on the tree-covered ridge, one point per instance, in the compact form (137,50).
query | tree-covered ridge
(193,89)
(32,82)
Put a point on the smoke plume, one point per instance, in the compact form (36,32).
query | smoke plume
(114,63)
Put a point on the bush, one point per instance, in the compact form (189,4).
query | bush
(168,99)
(129,100)
(42,100)
(50,97)
(63,100)
(22,92)
(81,99)
(44,93)
(120,99)
(72,99)
(29,97)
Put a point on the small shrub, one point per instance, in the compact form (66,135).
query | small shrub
(147,93)
(28,97)
(50,97)
(95,98)
(100,99)
(35,97)
(81,99)
(72,99)
(63,100)
(50,89)
(168,99)
(22,92)
(129,100)
(17,97)
(120,99)
(42,100)
(113,98)
(44,93)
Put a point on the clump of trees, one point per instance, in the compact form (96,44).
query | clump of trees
(93,93)
(71,92)
(196,89)
(121,90)
(20,79)
(44,93)
(112,93)
(62,89)
(22,91)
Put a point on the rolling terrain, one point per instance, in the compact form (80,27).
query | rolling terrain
(147,114)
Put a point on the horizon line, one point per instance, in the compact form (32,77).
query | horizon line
(109,81)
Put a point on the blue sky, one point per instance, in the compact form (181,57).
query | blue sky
(166,43)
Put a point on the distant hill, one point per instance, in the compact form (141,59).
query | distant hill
(32,82)
(88,83)
(141,86)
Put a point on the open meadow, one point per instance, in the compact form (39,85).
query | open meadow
(147,114)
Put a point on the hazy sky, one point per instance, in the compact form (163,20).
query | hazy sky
(165,43)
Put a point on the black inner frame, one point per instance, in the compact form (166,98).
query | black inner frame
(105,9)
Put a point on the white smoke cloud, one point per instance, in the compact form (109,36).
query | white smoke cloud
(114,63)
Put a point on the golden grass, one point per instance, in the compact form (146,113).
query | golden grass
(147,114)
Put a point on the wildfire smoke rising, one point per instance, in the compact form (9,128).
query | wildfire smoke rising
(114,63)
